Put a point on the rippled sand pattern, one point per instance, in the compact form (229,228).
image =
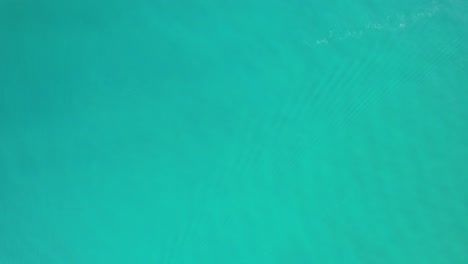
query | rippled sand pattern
(233,132)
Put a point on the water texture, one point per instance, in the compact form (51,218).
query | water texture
(233,131)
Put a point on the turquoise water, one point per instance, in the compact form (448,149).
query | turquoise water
(233,131)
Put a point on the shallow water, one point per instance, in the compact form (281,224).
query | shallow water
(233,131)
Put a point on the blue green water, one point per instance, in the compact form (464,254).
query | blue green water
(204,131)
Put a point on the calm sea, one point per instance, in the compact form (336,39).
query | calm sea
(210,132)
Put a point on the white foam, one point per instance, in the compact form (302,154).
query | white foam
(390,24)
